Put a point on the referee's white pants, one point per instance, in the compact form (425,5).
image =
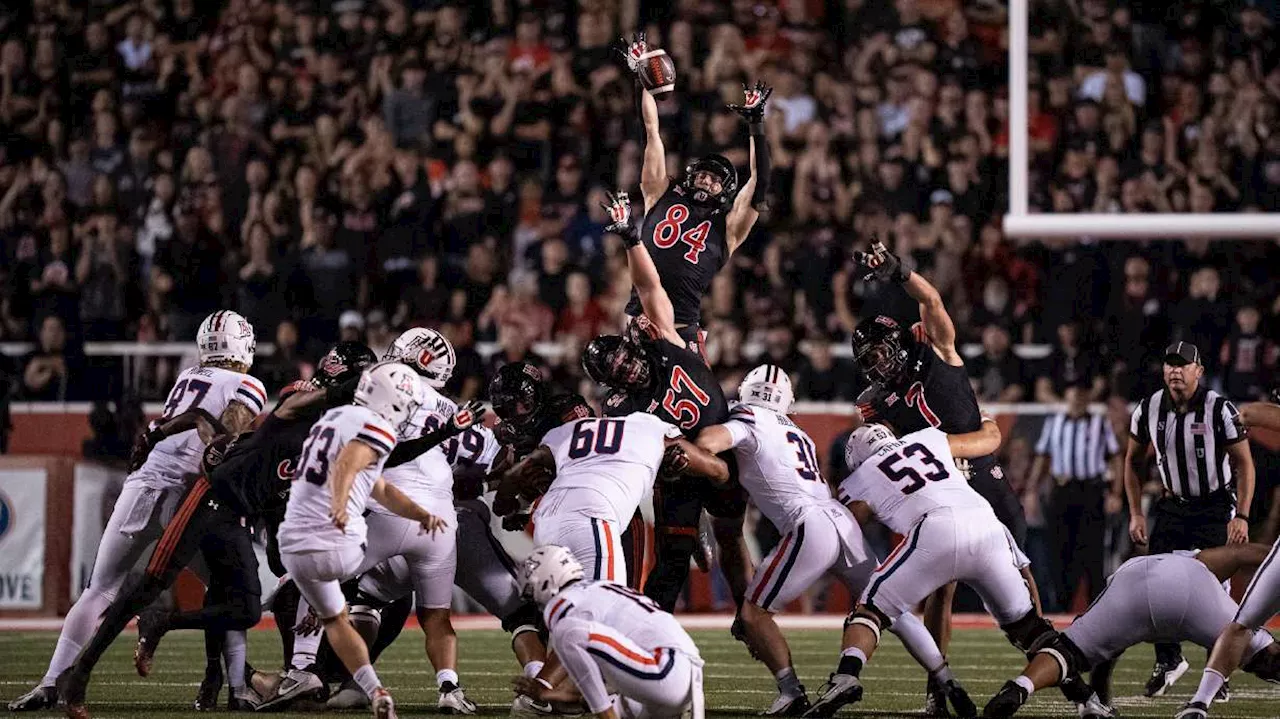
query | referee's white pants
(652,684)
(596,543)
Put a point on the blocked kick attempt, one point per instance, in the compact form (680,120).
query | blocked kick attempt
(611,637)
(950,533)
(777,465)
(322,539)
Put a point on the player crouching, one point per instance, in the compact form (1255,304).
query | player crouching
(1161,597)
(950,533)
(322,539)
(608,636)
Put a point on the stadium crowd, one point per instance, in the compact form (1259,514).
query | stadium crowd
(356,167)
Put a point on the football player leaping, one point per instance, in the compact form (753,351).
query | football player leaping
(778,466)
(912,485)
(217,397)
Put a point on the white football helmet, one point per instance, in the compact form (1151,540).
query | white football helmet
(427,352)
(865,442)
(769,387)
(547,570)
(391,390)
(225,336)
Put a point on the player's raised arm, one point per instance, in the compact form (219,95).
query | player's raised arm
(653,173)
(881,264)
(742,217)
(979,443)
(467,416)
(1262,414)
(644,275)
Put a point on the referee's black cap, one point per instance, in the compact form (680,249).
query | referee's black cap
(1181,353)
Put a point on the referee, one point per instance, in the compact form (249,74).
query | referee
(1076,447)
(1206,471)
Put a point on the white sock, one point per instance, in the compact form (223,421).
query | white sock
(367,680)
(1210,682)
(788,682)
(854,652)
(77,630)
(942,674)
(918,642)
(304,648)
(533,668)
(64,655)
(234,651)
(446,675)
(1023,681)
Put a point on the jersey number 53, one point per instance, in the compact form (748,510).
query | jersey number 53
(915,465)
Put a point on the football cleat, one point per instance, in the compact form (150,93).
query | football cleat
(788,705)
(454,701)
(39,699)
(296,684)
(1193,710)
(210,688)
(71,693)
(244,699)
(348,696)
(935,700)
(526,707)
(1095,708)
(152,625)
(1163,676)
(839,691)
(959,698)
(1006,702)
(383,706)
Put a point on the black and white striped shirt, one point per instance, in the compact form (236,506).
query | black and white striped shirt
(1078,447)
(1191,447)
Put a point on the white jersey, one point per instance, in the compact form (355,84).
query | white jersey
(211,389)
(307,525)
(608,464)
(428,478)
(777,465)
(910,477)
(477,446)
(626,611)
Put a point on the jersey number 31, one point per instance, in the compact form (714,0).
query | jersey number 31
(915,465)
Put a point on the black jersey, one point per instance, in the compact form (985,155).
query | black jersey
(257,467)
(689,244)
(935,394)
(683,390)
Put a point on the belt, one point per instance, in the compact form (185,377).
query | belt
(1220,496)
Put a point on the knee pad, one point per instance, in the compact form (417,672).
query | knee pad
(367,621)
(1030,633)
(1265,664)
(869,617)
(1068,657)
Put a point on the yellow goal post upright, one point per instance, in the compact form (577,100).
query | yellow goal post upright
(1020,223)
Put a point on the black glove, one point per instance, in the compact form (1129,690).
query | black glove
(468,415)
(632,49)
(142,448)
(753,102)
(674,461)
(880,264)
(515,522)
(619,209)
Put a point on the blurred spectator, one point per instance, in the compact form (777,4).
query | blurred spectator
(105,442)
(286,363)
(423,304)
(51,372)
(823,378)
(260,289)
(101,272)
(1203,318)
(1069,365)
(351,327)
(997,374)
(379,335)
(187,275)
(1247,358)
(581,318)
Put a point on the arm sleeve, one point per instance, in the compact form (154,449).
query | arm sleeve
(739,432)
(764,168)
(1042,444)
(1138,423)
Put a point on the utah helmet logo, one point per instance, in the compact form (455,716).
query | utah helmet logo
(284,470)
(425,358)
(331,365)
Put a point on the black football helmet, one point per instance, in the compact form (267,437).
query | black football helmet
(569,407)
(883,349)
(723,170)
(517,393)
(613,361)
(343,363)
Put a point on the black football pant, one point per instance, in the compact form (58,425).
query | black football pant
(1077,524)
(678,509)
(991,484)
(1198,523)
(233,601)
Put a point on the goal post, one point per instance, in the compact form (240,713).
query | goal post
(1020,222)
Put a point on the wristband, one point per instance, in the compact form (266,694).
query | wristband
(756,127)
(154,437)
(544,682)
(1242,515)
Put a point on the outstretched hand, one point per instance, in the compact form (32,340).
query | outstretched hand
(879,264)
(753,102)
(632,50)
(619,209)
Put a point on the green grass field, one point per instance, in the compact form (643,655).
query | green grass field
(735,685)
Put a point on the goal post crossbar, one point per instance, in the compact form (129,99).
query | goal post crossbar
(1020,222)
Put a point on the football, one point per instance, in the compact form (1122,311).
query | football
(657,71)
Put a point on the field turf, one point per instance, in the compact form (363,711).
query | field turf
(735,686)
